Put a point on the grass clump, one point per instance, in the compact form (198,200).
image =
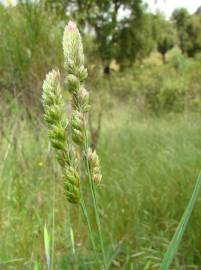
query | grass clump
(140,209)
(71,139)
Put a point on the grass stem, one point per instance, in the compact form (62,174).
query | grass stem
(94,200)
(86,216)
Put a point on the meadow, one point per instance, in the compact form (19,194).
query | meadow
(145,123)
(149,170)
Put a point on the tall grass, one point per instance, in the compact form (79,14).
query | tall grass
(150,166)
(149,169)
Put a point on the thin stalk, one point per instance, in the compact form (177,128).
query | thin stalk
(85,214)
(93,194)
(72,239)
(53,226)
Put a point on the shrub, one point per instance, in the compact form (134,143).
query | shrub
(176,59)
(29,46)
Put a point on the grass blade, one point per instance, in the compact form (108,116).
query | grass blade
(173,246)
(36,266)
(47,246)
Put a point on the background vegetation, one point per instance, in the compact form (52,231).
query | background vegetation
(145,82)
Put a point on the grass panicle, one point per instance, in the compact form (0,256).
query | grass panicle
(70,139)
(57,129)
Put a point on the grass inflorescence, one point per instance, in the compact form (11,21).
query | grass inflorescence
(71,138)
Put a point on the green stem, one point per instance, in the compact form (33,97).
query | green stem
(72,238)
(53,226)
(84,211)
(93,194)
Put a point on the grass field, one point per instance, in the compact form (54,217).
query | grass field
(149,167)
(149,98)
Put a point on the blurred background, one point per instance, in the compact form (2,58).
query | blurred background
(144,64)
(143,51)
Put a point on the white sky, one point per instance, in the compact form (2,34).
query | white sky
(167,6)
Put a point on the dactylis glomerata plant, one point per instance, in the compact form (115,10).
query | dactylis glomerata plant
(70,139)
(67,136)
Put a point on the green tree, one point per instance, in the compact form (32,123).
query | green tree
(116,25)
(164,34)
(133,40)
(180,19)
(193,30)
(189,30)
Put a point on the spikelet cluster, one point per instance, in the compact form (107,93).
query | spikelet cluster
(52,103)
(53,110)
(77,73)
(94,165)
(62,134)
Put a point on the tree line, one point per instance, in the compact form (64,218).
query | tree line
(124,30)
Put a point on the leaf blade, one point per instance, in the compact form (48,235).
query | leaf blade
(173,246)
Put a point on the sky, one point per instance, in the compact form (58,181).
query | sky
(167,6)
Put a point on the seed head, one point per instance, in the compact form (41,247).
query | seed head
(73,49)
(52,102)
(51,89)
(57,137)
(94,164)
(77,124)
(81,100)
(71,184)
(53,107)
(73,83)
